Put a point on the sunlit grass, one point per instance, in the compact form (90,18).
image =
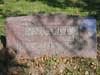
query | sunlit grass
(2,20)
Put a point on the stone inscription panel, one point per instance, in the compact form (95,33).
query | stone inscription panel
(55,34)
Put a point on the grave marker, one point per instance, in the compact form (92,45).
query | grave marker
(52,34)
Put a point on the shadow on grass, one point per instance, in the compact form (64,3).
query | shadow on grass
(98,39)
(3,58)
(7,58)
(3,40)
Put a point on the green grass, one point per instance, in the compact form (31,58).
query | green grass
(2,20)
(24,7)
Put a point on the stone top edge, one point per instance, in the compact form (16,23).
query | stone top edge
(50,15)
(47,18)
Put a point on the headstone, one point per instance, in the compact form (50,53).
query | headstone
(52,35)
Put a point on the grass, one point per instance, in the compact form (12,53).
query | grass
(24,7)
(2,20)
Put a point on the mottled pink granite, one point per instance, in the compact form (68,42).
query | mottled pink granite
(49,34)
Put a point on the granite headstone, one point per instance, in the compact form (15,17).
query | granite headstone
(52,34)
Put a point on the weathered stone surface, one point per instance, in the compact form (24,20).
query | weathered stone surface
(53,34)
